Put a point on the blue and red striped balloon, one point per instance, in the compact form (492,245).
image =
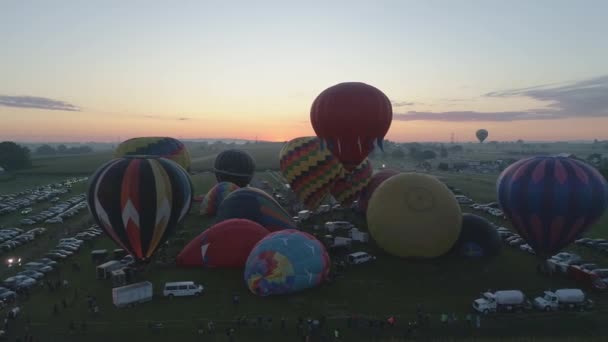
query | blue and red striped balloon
(551,201)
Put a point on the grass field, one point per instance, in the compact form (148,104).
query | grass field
(388,286)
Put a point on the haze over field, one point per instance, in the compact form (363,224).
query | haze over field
(75,71)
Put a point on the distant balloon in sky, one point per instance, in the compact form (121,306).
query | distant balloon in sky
(551,201)
(235,166)
(481,135)
(166,147)
(349,117)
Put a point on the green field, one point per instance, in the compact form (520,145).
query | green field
(388,286)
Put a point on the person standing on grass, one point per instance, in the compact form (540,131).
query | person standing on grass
(283,324)
(236,300)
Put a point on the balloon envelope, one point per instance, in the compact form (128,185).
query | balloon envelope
(478,238)
(215,196)
(255,205)
(414,215)
(224,245)
(377,179)
(481,134)
(309,170)
(139,201)
(235,166)
(350,117)
(165,147)
(551,201)
(347,187)
(285,262)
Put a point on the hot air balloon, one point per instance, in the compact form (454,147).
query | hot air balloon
(166,147)
(478,238)
(215,196)
(309,170)
(139,201)
(255,205)
(234,166)
(285,262)
(350,117)
(551,200)
(377,179)
(414,215)
(347,187)
(481,134)
(224,245)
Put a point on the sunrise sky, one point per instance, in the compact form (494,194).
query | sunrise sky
(110,70)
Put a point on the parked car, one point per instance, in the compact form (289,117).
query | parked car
(359,258)
(39,267)
(561,261)
(7,295)
(581,273)
(182,288)
(47,262)
(55,256)
(32,274)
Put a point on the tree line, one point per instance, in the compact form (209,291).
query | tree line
(14,156)
(48,150)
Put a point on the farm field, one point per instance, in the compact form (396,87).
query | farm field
(388,286)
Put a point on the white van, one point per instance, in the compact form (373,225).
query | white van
(359,258)
(182,288)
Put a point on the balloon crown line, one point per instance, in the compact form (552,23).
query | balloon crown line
(228,173)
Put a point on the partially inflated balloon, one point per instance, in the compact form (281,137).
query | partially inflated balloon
(165,147)
(286,262)
(551,200)
(139,202)
(350,117)
(347,187)
(235,166)
(224,245)
(255,205)
(377,179)
(478,238)
(215,196)
(481,135)
(309,170)
(414,215)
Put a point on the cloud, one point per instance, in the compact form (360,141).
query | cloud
(587,98)
(402,103)
(36,102)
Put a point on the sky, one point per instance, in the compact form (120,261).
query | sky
(113,70)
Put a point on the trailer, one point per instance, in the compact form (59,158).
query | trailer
(132,294)
(104,271)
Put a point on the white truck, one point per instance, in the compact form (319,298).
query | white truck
(132,294)
(560,262)
(358,235)
(104,271)
(501,301)
(331,226)
(563,299)
(304,215)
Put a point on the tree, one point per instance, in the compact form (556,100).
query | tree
(428,154)
(45,150)
(398,154)
(13,156)
(61,149)
(443,166)
(443,152)
(456,149)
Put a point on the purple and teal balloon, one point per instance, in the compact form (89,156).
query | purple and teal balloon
(551,201)
(215,196)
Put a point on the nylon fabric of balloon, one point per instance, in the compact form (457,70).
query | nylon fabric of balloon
(348,186)
(309,170)
(139,201)
(255,205)
(481,134)
(375,181)
(551,201)
(215,196)
(165,147)
(414,215)
(223,245)
(478,238)
(350,117)
(285,262)
(235,166)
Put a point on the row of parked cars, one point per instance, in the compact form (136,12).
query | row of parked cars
(492,208)
(600,245)
(33,272)
(11,238)
(58,212)
(585,273)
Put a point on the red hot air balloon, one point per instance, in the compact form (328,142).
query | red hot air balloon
(349,117)
(224,245)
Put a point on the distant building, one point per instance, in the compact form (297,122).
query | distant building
(565,155)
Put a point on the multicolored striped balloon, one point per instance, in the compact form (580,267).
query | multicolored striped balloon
(139,201)
(347,187)
(255,205)
(215,196)
(166,147)
(310,169)
(551,201)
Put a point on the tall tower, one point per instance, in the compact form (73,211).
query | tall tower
(452,138)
